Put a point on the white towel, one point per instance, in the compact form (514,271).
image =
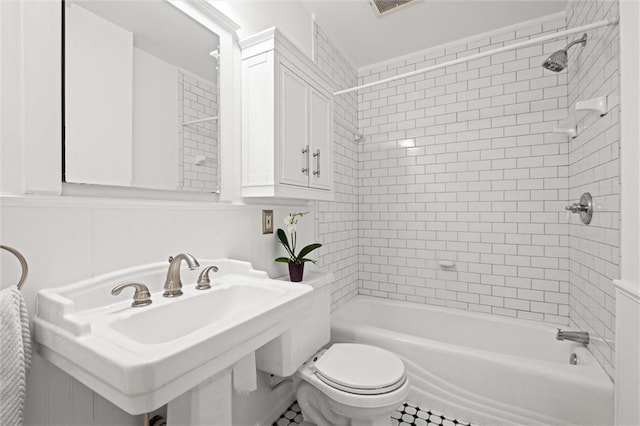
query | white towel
(244,374)
(15,356)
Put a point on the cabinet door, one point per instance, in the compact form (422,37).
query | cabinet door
(321,140)
(294,140)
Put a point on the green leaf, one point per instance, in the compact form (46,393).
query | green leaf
(282,236)
(302,260)
(308,249)
(282,259)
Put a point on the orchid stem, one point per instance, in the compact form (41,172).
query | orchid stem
(293,248)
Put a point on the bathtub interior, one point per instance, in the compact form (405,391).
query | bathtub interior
(490,370)
(522,338)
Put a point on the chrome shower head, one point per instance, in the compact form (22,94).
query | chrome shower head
(559,59)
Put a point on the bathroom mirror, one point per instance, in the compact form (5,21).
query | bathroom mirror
(141,97)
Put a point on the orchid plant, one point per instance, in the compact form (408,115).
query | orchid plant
(292,221)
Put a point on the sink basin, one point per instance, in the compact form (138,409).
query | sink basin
(212,309)
(142,358)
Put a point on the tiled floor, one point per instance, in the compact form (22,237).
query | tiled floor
(292,416)
(407,414)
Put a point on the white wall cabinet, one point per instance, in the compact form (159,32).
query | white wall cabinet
(287,121)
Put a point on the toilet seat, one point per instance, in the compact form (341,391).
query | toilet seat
(360,369)
(351,381)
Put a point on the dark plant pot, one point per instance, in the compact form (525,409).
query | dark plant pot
(295,272)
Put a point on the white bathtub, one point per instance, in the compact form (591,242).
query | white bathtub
(487,369)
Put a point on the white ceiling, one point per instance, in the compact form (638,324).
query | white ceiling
(367,39)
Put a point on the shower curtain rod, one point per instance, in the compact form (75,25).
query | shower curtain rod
(604,23)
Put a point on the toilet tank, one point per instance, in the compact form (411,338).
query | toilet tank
(284,355)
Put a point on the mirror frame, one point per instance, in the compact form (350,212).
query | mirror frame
(229,114)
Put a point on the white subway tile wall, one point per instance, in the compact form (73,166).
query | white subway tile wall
(337,221)
(594,167)
(197,98)
(461,165)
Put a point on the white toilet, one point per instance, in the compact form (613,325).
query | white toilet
(351,384)
(344,384)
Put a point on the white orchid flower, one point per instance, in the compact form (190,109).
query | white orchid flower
(291,223)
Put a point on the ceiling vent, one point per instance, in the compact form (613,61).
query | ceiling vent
(383,7)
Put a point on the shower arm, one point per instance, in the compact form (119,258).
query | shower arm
(582,40)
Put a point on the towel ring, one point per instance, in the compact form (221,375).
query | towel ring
(23,264)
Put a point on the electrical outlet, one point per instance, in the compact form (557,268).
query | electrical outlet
(267,221)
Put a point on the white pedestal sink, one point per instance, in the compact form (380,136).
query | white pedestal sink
(176,349)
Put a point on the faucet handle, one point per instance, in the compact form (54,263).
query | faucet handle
(204,282)
(141,295)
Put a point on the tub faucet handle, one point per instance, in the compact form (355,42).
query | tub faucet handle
(584,208)
(576,208)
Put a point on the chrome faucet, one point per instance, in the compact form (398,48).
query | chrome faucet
(173,284)
(574,336)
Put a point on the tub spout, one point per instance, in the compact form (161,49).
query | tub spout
(574,336)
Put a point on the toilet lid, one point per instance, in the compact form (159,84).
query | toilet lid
(360,368)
